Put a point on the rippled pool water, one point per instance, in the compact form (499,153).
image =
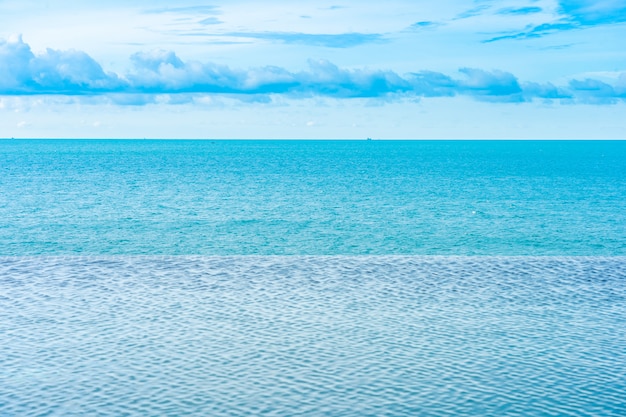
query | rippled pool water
(312,336)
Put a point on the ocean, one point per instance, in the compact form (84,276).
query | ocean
(312,197)
(313,278)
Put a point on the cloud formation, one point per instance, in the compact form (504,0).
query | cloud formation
(164,73)
(53,72)
(426,24)
(520,11)
(593,12)
(536,31)
(571,15)
(339,40)
(207,9)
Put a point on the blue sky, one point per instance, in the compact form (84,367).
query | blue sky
(313,69)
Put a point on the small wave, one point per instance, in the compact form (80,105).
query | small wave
(312,335)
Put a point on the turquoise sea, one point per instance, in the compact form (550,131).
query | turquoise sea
(312,278)
(313,197)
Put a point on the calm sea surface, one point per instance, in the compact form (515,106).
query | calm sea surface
(312,197)
(271,278)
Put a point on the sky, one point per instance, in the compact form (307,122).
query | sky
(398,69)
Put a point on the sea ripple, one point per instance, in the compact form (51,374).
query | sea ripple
(312,336)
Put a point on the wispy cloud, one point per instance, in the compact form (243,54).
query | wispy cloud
(426,24)
(340,40)
(520,11)
(594,12)
(474,11)
(210,21)
(206,9)
(536,31)
(66,73)
(570,15)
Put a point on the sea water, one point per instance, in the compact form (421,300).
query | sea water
(312,336)
(313,197)
(364,278)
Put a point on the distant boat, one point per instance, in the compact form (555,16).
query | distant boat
(369,138)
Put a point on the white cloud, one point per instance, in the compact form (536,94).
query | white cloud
(158,76)
(241,54)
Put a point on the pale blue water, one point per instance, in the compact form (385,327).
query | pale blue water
(312,336)
(423,278)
